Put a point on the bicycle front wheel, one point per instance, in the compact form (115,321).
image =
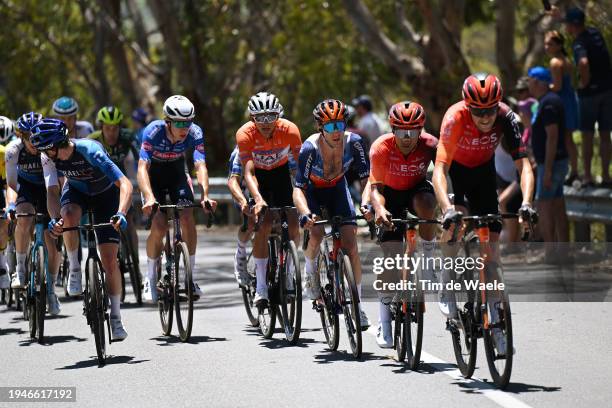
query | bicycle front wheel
(41,298)
(248,292)
(165,301)
(500,361)
(350,304)
(98,320)
(291,302)
(329,318)
(183,291)
(415,319)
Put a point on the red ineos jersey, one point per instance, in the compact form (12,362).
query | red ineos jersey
(461,141)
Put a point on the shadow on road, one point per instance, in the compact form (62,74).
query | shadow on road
(328,357)
(280,343)
(172,340)
(51,340)
(519,388)
(402,367)
(4,332)
(477,387)
(93,362)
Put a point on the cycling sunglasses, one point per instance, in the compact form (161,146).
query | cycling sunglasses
(331,127)
(482,112)
(182,124)
(407,133)
(265,118)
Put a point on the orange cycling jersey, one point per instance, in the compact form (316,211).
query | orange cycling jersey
(462,142)
(389,166)
(269,153)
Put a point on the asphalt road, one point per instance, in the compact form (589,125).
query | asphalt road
(563,357)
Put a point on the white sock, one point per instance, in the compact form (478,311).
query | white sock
(309,266)
(289,265)
(21,260)
(115,305)
(151,268)
(359,291)
(261,266)
(192,263)
(73,260)
(384,313)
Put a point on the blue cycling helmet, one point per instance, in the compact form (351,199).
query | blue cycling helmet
(48,133)
(26,122)
(65,106)
(140,115)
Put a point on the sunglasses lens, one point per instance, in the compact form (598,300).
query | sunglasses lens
(334,127)
(182,125)
(482,112)
(407,133)
(266,118)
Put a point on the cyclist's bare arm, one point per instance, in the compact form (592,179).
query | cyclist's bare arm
(125,194)
(527,181)
(53,201)
(299,199)
(11,195)
(202,176)
(144,184)
(233,183)
(440,185)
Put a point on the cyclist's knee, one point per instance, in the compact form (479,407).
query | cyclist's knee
(71,215)
(424,205)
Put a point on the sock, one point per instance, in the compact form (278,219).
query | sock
(308,266)
(151,268)
(242,246)
(73,260)
(384,313)
(21,260)
(192,263)
(260,273)
(115,305)
(359,290)
(428,250)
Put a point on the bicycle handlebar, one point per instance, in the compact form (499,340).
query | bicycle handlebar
(180,207)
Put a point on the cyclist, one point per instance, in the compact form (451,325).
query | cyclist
(24,175)
(324,159)
(66,109)
(237,189)
(122,148)
(93,182)
(139,122)
(265,145)
(398,170)
(7,130)
(161,171)
(470,132)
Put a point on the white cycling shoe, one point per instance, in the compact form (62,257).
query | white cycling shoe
(365,322)
(261,295)
(240,271)
(18,280)
(197,292)
(75,284)
(447,304)
(149,293)
(118,333)
(384,337)
(312,289)
(53,305)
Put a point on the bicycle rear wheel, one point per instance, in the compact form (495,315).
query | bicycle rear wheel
(350,304)
(165,301)
(500,363)
(98,320)
(401,330)
(133,268)
(329,318)
(291,304)
(183,291)
(415,319)
(41,298)
(248,292)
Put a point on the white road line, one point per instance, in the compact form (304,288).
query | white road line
(499,397)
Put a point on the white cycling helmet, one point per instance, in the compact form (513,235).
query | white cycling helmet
(177,107)
(7,128)
(264,102)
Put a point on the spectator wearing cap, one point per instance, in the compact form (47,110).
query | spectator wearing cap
(562,72)
(367,123)
(548,131)
(139,122)
(594,91)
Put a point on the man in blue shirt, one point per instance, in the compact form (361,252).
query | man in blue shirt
(94,182)
(594,91)
(548,145)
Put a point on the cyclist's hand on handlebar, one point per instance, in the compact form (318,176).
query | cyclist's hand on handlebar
(383,219)
(259,206)
(55,226)
(307,221)
(451,216)
(10,211)
(367,212)
(246,209)
(209,205)
(528,217)
(148,206)
(119,221)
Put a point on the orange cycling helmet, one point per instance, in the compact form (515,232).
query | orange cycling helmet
(407,115)
(482,91)
(330,110)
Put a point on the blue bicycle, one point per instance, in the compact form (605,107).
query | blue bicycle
(38,279)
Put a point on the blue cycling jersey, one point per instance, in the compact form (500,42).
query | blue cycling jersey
(158,148)
(89,169)
(311,168)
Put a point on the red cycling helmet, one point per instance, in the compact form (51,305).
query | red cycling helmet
(407,115)
(482,91)
(330,110)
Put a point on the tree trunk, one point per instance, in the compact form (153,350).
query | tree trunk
(504,41)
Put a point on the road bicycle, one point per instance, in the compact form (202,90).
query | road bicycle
(128,264)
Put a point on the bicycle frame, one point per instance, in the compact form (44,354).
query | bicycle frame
(274,263)
(39,230)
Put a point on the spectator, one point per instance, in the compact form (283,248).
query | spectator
(521,89)
(548,131)
(594,91)
(139,122)
(562,73)
(367,123)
